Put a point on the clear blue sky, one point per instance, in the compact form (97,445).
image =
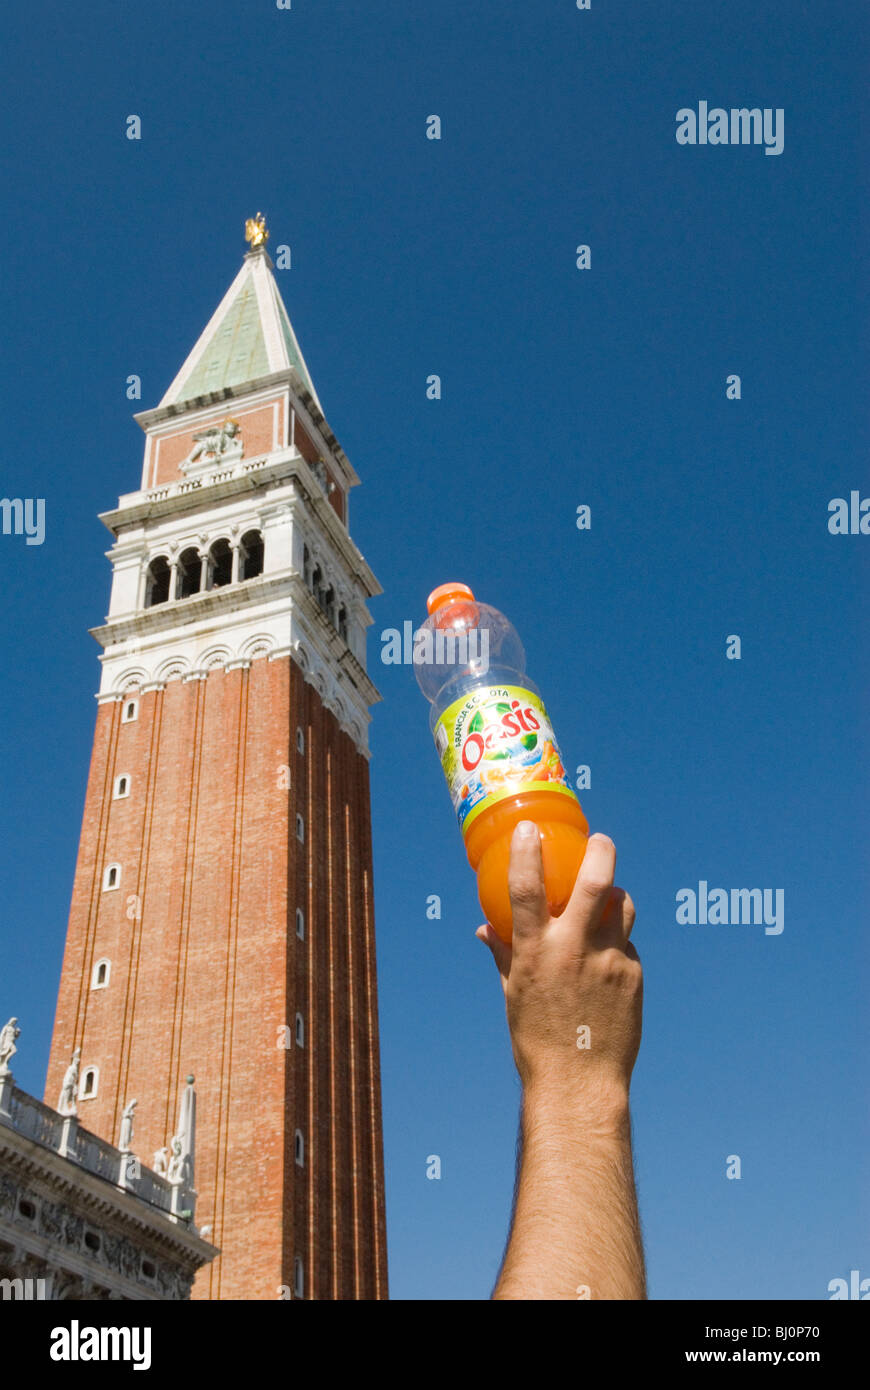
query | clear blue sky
(561,387)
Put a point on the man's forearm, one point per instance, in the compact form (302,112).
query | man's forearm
(576,1232)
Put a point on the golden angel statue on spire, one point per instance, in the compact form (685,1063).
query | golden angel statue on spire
(256,231)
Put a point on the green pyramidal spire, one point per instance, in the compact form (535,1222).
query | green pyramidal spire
(248,336)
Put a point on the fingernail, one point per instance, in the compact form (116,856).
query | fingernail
(526,829)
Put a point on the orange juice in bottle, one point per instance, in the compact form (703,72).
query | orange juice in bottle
(497,748)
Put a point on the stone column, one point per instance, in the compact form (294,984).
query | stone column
(129,1169)
(69,1137)
(236,548)
(173,580)
(6,1084)
(203,572)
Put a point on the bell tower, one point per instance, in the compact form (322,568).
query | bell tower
(222,912)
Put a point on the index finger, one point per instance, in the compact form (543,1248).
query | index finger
(528,894)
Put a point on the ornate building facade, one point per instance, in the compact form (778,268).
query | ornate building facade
(82,1219)
(222,912)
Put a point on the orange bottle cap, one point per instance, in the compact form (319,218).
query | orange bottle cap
(446,593)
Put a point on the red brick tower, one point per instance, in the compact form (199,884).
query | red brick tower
(222,920)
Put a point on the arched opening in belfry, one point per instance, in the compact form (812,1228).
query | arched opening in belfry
(221,564)
(342,622)
(251,557)
(157,581)
(189,573)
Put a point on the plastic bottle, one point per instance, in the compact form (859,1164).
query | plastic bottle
(497,748)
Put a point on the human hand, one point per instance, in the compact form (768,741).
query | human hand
(563,975)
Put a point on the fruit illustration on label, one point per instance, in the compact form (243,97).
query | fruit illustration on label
(492,744)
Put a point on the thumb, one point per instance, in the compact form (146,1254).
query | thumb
(501,952)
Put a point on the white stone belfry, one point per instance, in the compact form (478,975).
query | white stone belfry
(236,548)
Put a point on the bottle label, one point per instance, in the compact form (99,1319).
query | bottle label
(494,743)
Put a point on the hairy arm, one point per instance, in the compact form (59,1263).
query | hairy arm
(573,990)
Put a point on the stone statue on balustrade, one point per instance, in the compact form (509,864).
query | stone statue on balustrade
(69,1089)
(8,1034)
(126,1140)
(179,1164)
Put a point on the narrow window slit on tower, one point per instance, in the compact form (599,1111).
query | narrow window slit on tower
(100,976)
(88,1087)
